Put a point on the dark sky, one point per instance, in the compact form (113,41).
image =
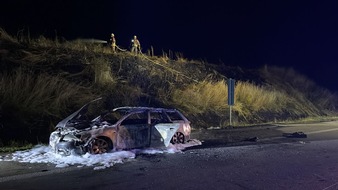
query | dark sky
(248,33)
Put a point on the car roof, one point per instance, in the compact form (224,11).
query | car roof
(131,109)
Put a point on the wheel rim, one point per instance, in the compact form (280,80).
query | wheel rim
(99,146)
(178,138)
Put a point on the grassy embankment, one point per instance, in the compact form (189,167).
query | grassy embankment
(43,81)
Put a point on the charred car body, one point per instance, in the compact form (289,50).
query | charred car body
(119,129)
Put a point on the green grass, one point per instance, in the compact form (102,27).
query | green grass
(14,146)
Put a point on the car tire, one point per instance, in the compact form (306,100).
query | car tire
(178,138)
(100,145)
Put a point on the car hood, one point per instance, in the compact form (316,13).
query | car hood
(77,114)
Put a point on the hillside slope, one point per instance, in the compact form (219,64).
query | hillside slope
(43,81)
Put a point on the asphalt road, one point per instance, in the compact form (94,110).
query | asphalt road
(256,158)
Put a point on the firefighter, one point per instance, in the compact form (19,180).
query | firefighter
(135,45)
(113,42)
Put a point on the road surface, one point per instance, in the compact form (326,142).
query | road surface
(222,162)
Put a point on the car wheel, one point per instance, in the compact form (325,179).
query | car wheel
(178,138)
(99,146)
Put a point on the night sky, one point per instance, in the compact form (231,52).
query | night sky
(247,33)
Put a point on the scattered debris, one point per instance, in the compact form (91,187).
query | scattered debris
(295,135)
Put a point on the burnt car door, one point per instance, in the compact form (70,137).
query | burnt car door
(133,131)
(162,130)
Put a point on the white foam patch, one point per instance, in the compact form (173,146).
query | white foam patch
(44,154)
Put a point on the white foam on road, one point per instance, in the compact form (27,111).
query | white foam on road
(44,154)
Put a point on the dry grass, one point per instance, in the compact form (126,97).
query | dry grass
(40,94)
(251,99)
(32,103)
(167,80)
(253,103)
(103,72)
(209,96)
(6,37)
(306,95)
(202,97)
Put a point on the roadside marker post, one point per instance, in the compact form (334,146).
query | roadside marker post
(231,96)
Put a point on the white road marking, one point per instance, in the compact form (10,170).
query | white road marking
(322,131)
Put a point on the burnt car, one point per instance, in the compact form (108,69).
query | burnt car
(119,129)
